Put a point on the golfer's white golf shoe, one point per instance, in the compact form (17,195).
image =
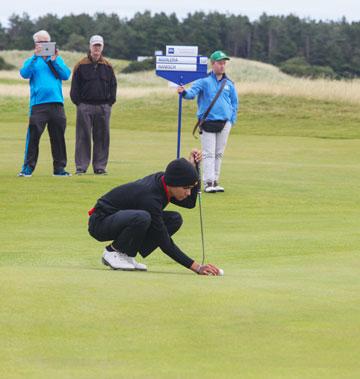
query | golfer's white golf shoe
(117,261)
(138,266)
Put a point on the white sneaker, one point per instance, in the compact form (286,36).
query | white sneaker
(117,261)
(138,266)
(209,188)
(25,173)
(218,188)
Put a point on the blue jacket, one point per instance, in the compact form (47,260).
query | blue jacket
(44,87)
(225,107)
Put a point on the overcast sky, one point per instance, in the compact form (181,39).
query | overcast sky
(316,9)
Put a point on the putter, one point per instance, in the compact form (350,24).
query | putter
(201,218)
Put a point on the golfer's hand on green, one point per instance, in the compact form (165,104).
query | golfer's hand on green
(207,269)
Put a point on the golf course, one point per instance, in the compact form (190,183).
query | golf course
(286,231)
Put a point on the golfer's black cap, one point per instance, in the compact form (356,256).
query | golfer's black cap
(181,173)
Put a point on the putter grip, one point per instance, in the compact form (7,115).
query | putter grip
(197,167)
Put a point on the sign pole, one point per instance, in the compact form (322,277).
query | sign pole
(179,127)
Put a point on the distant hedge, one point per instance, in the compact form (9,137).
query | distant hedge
(299,67)
(145,65)
(4,65)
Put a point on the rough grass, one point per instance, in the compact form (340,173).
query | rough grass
(17,57)
(251,78)
(286,232)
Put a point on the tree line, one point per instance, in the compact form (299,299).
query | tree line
(271,39)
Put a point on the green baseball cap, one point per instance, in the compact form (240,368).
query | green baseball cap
(219,56)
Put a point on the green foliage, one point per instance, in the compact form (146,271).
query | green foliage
(20,32)
(299,67)
(4,65)
(135,66)
(76,43)
(3,38)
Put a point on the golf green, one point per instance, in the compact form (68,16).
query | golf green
(286,232)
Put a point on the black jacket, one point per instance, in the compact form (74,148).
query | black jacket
(148,194)
(93,83)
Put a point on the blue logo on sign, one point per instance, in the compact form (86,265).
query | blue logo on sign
(171,50)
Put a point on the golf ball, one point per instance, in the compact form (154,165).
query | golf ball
(221,272)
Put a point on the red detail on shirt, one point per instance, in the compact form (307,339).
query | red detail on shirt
(165,188)
(91,211)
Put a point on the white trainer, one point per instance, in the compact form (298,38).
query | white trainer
(138,266)
(218,188)
(117,261)
(209,188)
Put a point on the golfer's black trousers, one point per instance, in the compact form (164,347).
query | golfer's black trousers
(130,230)
(52,115)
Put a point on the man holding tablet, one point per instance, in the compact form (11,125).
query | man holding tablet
(45,74)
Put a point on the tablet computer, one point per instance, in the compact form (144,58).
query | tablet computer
(47,49)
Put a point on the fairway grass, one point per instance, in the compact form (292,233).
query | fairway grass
(286,233)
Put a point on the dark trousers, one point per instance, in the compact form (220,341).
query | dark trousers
(92,120)
(52,115)
(129,230)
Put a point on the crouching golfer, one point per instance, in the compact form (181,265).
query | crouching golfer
(133,217)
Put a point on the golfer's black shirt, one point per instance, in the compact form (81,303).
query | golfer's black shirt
(149,194)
